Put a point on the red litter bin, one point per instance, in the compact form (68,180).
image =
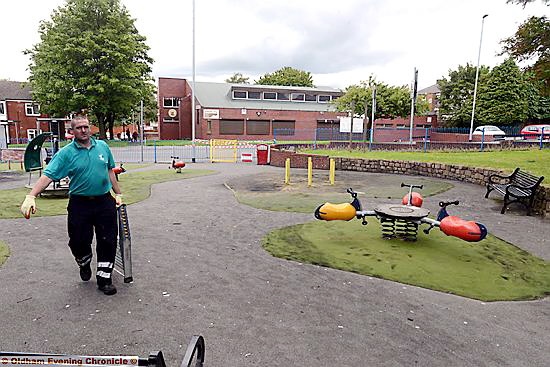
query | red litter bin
(262,151)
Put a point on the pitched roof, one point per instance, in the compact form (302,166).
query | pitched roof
(14,90)
(432,89)
(218,95)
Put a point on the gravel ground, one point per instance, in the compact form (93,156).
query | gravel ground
(199,269)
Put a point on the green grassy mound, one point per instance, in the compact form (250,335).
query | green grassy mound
(489,270)
(4,252)
(265,192)
(135,186)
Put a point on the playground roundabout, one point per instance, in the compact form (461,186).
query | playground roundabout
(489,270)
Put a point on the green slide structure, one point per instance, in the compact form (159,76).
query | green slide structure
(32,153)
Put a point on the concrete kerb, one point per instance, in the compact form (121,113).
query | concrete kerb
(200,269)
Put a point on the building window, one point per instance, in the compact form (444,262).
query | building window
(231,127)
(254,95)
(32,109)
(171,102)
(334,98)
(2,108)
(257,127)
(323,99)
(283,128)
(298,97)
(270,95)
(31,134)
(239,94)
(401,126)
(311,98)
(283,96)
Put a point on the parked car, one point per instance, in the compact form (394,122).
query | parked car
(534,131)
(491,130)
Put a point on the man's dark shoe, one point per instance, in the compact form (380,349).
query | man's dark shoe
(85,272)
(108,289)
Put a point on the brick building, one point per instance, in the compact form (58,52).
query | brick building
(433,95)
(242,111)
(20,117)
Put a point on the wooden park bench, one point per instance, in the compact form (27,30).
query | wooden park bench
(520,187)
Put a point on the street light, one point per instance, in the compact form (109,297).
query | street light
(193,111)
(477,77)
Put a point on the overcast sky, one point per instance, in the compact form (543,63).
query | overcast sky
(339,42)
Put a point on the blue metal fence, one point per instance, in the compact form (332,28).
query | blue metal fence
(417,139)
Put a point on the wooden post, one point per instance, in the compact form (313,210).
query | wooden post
(309,171)
(331,171)
(287,171)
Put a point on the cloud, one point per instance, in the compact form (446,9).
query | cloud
(311,36)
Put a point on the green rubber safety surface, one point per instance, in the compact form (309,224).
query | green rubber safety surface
(268,191)
(135,186)
(489,270)
(4,252)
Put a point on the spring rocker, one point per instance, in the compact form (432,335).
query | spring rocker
(118,170)
(402,220)
(177,165)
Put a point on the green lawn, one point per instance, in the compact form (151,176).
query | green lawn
(490,270)
(4,252)
(306,200)
(535,161)
(13,166)
(136,186)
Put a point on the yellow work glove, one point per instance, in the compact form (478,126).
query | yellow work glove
(29,206)
(118,199)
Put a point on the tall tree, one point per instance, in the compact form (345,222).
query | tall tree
(287,76)
(503,97)
(391,101)
(237,78)
(531,42)
(90,58)
(457,93)
(539,104)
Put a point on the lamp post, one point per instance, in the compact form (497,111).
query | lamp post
(477,78)
(193,111)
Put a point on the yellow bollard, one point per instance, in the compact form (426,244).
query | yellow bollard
(287,171)
(309,171)
(331,171)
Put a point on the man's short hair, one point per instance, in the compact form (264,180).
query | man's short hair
(75,120)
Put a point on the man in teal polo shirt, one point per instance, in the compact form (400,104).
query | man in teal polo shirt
(89,165)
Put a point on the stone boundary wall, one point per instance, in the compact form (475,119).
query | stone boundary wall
(473,175)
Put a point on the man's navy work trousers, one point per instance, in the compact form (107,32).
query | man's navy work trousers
(86,213)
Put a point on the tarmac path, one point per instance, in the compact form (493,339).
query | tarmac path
(199,269)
